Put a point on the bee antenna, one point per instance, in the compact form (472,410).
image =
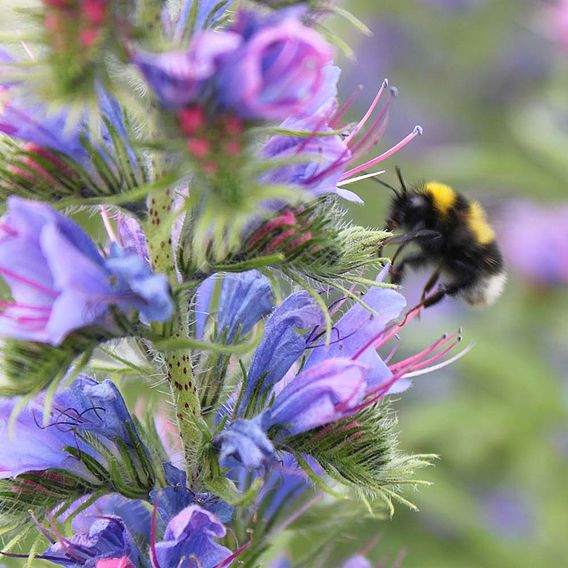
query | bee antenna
(393,189)
(400,178)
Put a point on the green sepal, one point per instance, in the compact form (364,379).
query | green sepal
(29,367)
(360,452)
(49,175)
(122,468)
(319,245)
(44,493)
(225,489)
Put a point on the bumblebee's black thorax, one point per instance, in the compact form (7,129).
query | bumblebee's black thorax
(465,244)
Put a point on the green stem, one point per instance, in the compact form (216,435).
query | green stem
(177,364)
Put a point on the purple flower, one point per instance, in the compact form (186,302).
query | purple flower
(357,327)
(60,282)
(189,538)
(276,72)
(172,499)
(182,535)
(28,120)
(326,157)
(336,381)
(282,344)
(245,298)
(178,77)
(324,393)
(317,174)
(357,562)
(106,538)
(245,442)
(86,406)
(543,261)
(131,236)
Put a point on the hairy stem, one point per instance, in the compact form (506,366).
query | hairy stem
(177,365)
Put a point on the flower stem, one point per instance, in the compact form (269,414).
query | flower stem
(177,364)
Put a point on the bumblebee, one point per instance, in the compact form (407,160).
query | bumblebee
(452,235)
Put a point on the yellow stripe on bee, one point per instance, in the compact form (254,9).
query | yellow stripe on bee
(443,196)
(478,224)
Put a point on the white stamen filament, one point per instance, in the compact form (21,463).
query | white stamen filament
(359,178)
(108,226)
(440,365)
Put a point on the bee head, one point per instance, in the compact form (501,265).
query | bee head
(401,206)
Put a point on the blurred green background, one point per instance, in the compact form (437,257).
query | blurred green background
(488,82)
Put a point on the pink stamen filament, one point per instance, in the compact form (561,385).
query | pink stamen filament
(25,320)
(441,365)
(410,360)
(412,371)
(426,362)
(368,113)
(416,132)
(383,336)
(320,123)
(28,282)
(68,546)
(379,123)
(371,143)
(8,304)
(341,112)
(393,351)
(235,554)
(376,123)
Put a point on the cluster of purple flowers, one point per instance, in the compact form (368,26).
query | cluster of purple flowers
(335,381)
(258,69)
(276,402)
(113,490)
(61,283)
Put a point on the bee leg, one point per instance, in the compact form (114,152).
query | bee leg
(430,284)
(445,290)
(413,260)
(433,299)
